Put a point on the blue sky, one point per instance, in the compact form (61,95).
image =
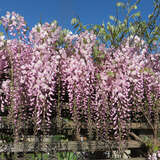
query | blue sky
(89,11)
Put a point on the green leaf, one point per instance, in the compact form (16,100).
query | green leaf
(102,31)
(58,137)
(79,29)
(95,27)
(102,56)
(110,27)
(74,21)
(112,18)
(27,28)
(38,29)
(103,25)
(120,4)
(98,76)
(84,41)
(135,7)
(55,22)
(137,14)
(106,37)
(132,29)
(156,148)
(84,27)
(150,16)
(110,73)
(1,34)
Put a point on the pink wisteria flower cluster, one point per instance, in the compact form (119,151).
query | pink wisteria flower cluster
(14,24)
(102,85)
(154,156)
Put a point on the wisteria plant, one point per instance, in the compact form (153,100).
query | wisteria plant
(49,66)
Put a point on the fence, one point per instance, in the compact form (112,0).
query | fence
(135,148)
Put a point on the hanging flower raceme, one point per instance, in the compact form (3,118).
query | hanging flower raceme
(14,97)
(112,94)
(80,78)
(45,71)
(14,25)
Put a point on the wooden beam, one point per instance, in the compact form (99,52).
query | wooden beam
(86,146)
(139,126)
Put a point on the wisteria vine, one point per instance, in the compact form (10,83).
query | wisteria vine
(104,85)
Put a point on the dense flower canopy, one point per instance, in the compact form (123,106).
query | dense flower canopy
(102,85)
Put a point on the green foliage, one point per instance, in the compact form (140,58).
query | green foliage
(1,34)
(64,155)
(38,156)
(120,4)
(113,33)
(58,137)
